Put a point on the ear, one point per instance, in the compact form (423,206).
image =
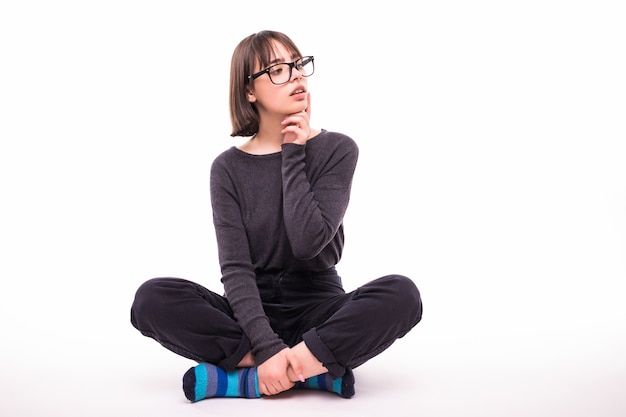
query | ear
(250,95)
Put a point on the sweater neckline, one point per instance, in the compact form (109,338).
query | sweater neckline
(272,154)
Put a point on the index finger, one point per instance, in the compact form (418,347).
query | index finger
(308,106)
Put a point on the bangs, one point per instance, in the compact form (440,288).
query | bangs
(264,49)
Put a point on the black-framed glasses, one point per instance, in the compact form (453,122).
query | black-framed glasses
(281,73)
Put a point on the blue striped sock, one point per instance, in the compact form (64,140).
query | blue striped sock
(344,386)
(206,381)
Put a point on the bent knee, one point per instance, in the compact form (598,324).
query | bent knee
(407,295)
(150,297)
(148,291)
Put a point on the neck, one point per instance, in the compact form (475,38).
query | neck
(267,140)
(263,142)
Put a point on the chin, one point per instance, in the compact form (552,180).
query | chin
(300,107)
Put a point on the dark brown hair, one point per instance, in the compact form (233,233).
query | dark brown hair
(256,48)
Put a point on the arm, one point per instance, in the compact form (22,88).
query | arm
(272,356)
(238,274)
(314,204)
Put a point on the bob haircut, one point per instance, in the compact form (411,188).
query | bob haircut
(256,48)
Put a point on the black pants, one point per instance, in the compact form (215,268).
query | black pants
(342,330)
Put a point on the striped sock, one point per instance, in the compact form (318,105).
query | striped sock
(207,381)
(344,386)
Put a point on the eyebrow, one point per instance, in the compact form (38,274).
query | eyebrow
(294,56)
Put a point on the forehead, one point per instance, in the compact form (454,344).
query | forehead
(280,51)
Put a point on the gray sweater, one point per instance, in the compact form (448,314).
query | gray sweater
(278,212)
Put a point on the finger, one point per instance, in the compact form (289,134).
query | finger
(289,129)
(286,385)
(294,362)
(308,106)
(292,120)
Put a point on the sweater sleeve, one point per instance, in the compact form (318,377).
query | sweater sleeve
(316,198)
(238,274)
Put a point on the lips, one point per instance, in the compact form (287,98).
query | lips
(298,90)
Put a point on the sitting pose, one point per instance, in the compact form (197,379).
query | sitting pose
(278,200)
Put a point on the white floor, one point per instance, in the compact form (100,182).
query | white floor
(93,363)
(492,172)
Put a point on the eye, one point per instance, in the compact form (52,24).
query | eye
(305,65)
(276,69)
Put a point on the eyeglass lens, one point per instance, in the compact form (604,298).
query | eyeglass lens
(281,73)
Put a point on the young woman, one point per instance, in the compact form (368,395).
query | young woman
(278,203)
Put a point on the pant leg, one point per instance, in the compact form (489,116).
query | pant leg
(365,323)
(189,320)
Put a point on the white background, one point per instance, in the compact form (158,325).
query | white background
(492,172)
